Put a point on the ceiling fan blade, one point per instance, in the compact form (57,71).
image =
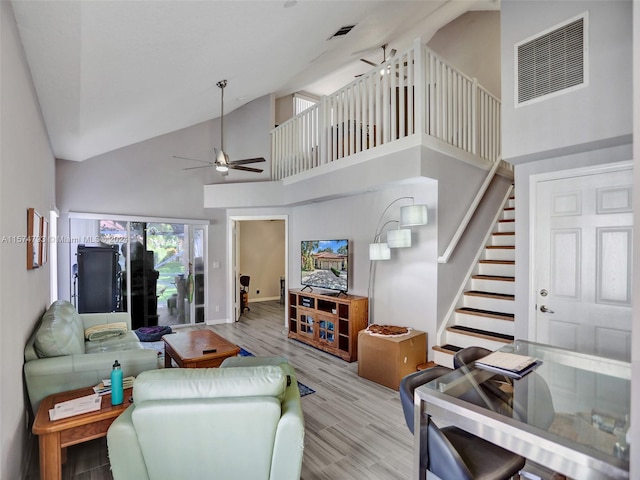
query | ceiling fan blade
(369,62)
(246,160)
(246,169)
(201,166)
(193,159)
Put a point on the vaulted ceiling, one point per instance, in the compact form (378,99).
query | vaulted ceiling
(113,73)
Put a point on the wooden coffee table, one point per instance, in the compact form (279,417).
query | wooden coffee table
(197,349)
(56,436)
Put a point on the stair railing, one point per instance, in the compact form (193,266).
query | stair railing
(415,92)
(444,258)
(440,335)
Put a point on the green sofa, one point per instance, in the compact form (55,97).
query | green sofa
(240,421)
(58,358)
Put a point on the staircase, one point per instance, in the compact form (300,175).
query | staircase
(485,313)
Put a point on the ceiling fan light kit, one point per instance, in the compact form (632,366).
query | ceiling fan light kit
(384,59)
(221,159)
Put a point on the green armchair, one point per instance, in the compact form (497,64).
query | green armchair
(191,424)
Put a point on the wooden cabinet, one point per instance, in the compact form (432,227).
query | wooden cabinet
(327,322)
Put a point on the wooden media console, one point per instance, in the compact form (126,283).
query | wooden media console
(329,323)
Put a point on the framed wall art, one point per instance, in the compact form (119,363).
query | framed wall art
(44,241)
(34,235)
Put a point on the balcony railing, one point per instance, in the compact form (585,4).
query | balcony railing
(414,92)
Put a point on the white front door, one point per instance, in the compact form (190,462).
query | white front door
(583,259)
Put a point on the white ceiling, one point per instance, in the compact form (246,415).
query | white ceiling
(112,73)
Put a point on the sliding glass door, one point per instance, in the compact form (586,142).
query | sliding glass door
(153,269)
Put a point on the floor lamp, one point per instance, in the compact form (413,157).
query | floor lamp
(400,237)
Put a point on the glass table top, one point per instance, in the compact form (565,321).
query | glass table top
(581,401)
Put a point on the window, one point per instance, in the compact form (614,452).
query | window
(302,102)
(152,268)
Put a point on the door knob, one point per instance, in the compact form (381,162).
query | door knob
(545,309)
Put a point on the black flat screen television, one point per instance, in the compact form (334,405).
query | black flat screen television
(325,264)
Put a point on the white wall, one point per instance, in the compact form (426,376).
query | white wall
(404,286)
(588,127)
(635,349)
(598,114)
(455,198)
(471,44)
(284,109)
(523,216)
(447,185)
(145,180)
(26,180)
(580,137)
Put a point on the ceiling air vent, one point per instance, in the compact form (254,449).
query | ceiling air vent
(343,31)
(552,62)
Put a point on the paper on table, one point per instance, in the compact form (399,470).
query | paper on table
(506,361)
(89,403)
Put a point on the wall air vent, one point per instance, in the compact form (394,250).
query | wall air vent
(343,31)
(552,62)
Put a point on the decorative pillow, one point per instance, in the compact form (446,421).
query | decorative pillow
(107,330)
(60,332)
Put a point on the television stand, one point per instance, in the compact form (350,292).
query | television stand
(329,322)
(335,294)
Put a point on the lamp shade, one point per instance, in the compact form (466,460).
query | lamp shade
(412,215)
(399,238)
(379,251)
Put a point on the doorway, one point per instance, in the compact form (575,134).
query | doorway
(258,250)
(582,259)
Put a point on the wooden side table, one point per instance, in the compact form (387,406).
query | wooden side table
(55,436)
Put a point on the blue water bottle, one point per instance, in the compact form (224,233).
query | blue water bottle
(117,394)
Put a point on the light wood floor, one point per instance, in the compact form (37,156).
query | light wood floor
(355,428)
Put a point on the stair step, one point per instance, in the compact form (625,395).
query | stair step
(486,313)
(500,268)
(498,278)
(443,355)
(500,296)
(426,365)
(503,239)
(483,299)
(506,225)
(500,252)
(476,332)
(446,348)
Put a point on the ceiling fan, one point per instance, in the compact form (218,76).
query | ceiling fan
(221,159)
(383,71)
(384,56)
